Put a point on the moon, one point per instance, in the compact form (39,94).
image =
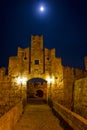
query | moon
(41,8)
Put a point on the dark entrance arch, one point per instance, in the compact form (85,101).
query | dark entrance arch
(39,93)
(36,89)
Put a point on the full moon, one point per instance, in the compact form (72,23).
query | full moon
(41,8)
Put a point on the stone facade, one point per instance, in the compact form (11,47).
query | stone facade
(68,78)
(38,62)
(9,92)
(80,97)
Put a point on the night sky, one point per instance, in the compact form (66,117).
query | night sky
(63,25)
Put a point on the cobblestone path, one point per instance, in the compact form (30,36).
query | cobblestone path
(38,117)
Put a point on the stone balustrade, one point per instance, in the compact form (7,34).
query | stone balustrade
(74,120)
(9,119)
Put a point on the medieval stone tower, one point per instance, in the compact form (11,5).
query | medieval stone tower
(37,55)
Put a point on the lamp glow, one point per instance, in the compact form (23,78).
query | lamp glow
(50,80)
(21,80)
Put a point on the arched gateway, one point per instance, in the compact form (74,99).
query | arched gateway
(37,89)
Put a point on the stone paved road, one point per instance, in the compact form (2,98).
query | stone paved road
(38,117)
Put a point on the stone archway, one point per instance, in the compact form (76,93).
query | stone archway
(37,89)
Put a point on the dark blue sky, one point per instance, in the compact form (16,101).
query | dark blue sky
(63,25)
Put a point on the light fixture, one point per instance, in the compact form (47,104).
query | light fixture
(50,79)
(21,80)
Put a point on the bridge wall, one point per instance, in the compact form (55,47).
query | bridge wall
(8,120)
(74,120)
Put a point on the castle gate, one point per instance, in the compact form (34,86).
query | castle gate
(37,89)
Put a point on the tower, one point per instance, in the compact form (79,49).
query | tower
(37,61)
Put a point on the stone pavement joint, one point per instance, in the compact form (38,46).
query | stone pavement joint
(38,117)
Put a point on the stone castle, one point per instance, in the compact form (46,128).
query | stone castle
(36,72)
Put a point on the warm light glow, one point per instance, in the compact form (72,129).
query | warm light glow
(50,80)
(21,80)
(41,8)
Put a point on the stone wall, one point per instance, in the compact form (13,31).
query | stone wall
(9,92)
(80,97)
(85,62)
(9,119)
(79,73)
(68,79)
(24,56)
(57,86)
(19,65)
(74,120)
(9,96)
(37,59)
(14,66)
(2,73)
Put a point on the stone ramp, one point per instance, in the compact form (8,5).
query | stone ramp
(38,117)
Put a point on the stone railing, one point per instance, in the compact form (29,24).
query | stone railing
(74,120)
(9,119)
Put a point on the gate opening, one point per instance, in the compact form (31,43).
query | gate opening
(36,89)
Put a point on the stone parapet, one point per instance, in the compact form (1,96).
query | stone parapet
(8,120)
(74,120)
